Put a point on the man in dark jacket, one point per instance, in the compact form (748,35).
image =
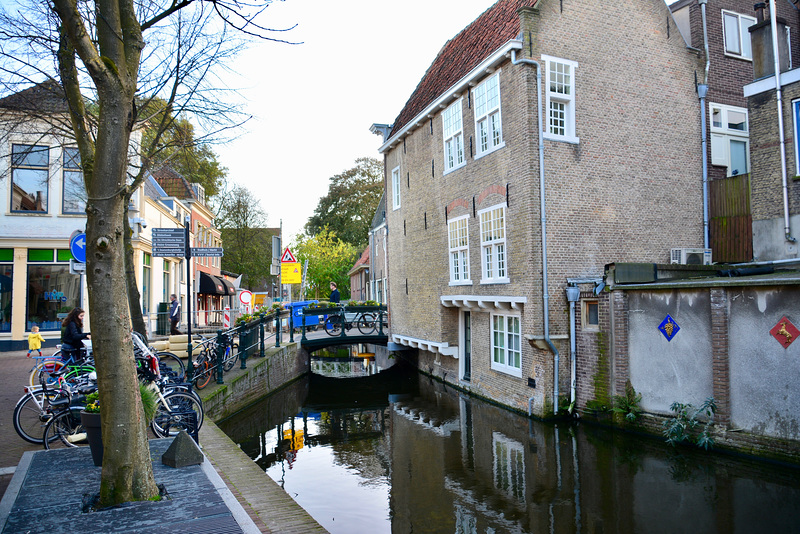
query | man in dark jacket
(174,315)
(334,293)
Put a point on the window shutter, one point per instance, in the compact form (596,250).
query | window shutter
(719,155)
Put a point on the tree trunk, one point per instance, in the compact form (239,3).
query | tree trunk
(133,295)
(127,473)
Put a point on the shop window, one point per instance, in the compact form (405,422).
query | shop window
(52,293)
(6,286)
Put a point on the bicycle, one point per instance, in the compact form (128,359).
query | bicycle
(79,362)
(205,363)
(364,321)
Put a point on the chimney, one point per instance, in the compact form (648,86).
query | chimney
(761,41)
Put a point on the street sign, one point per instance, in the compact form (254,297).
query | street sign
(288,257)
(208,252)
(77,246)
(290,273)
(169,242)
(76,267)
(245,297)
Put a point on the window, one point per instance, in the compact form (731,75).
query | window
(560,83)
(796,115)
(735,34)
(729,138)
(459,250)
(506,344)
(165,281)
(74,189)
(509,466)
(453,137)
(146,263)
(396,188)
(487,115)
(29,177)
(494,268)
(6,284)
(52,290)
(590,315)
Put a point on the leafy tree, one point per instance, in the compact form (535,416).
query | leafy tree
(109,71)
(248,243)
(350,204)
(329,259)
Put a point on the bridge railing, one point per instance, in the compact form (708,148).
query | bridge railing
(339,321)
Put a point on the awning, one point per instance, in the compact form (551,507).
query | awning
(229,289)
(210,285)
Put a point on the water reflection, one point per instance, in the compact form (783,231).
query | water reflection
(397,452)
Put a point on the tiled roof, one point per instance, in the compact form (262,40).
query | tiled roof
(496,26)
(362,263)
(174,183)
(45,97)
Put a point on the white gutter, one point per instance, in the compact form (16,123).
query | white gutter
(444,100)
(702,91)
(773,19)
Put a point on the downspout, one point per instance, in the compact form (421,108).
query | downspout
(545,296)
(702,91)
(573,296)
(773,19)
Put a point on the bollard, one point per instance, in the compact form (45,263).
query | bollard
(226,323)
(243,340)
(222,344)
(303,335)
(261,321)
(380,322)
(277,328)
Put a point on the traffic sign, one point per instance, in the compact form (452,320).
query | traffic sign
(288,257)
(290,273)
(245,297)
(76,267)
(208,252)
(77,246)
(169,242)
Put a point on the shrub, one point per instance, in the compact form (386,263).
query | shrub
(683,426)
(628,405)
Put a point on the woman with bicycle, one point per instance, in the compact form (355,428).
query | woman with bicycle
(72,334)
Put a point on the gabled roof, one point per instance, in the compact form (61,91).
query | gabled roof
(496,26)
(45,97)
(361,264)
(173,183)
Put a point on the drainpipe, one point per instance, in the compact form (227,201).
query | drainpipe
(702,91)
(773,19)
(573,295)
(545,296)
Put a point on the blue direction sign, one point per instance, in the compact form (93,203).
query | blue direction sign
(77,246)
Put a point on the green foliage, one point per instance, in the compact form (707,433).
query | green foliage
(149,402)
(684,424)
(350,204)
(628,405)
(362,303)
(92,403)
(329,259)
(247,241)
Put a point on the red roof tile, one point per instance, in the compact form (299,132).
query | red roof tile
(496,26)
(173,183)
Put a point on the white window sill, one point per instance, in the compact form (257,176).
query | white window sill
(736,56)
(479,155)
(562,138)
(455,168)
(395,208)
(506,370)
(487,281)
(460,282)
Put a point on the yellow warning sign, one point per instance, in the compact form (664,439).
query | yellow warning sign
(291,273)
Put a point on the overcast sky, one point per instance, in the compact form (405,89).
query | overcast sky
(313,103)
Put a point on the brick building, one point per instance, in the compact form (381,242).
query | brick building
(617,159)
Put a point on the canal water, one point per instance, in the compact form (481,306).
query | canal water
(395,451)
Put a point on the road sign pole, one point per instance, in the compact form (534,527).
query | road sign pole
(189,298)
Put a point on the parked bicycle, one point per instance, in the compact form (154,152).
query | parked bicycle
(364,321)
(206,361)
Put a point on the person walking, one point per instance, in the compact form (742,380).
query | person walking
(72,334)
(334,294)
(35,341)
(174,315)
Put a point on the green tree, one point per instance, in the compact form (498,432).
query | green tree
(350,204)
(248,242)
(329,259)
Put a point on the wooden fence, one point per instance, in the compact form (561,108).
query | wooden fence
(731,222)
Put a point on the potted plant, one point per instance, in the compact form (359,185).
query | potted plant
(90,419)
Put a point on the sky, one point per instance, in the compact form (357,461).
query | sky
(313,103)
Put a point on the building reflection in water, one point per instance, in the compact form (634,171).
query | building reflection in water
(398,452)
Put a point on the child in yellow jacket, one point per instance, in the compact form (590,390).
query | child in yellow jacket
(35,341)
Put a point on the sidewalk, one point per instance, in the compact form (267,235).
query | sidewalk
(269,507)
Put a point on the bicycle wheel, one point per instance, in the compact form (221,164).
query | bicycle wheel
(172,367)
(202,373)
(173,414)
(31,414)
(43,369)
(366,324)
(231,357)
(65,430)
(333,325)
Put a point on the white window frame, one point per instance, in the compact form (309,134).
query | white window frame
(453,137)
(796,119)
(458,250)
(396,188)
(494,245)
(488,119)
(506,344)
(564,100)
(722,136)
(509,466)
(742,35)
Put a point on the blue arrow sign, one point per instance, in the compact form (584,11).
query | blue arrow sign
(77,245)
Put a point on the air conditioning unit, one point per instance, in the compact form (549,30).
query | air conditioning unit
(690,256)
